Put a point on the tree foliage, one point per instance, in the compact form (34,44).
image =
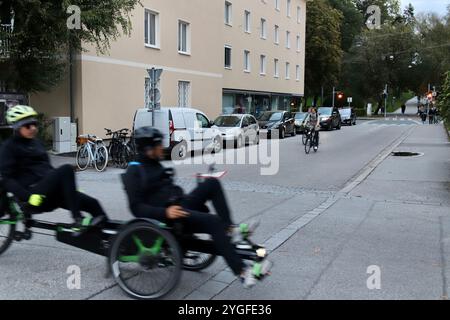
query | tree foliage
(323,52)
(40,40)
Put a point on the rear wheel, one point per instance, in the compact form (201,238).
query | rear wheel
(145,261)
(179,152)
(7,229)
(83,158)
(101,160)
(339,126)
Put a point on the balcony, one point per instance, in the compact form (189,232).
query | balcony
(5,31)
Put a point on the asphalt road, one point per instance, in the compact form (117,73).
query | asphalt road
(304,192)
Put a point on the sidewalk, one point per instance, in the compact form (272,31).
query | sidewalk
(398,220)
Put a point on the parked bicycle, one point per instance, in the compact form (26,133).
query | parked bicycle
(120,151)
(91,152)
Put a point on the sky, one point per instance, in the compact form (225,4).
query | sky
(438,6)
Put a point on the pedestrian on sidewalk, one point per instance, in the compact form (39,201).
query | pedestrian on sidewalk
(431,113)
(403,108)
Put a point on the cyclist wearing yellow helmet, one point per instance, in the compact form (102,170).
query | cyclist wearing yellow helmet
(27,173)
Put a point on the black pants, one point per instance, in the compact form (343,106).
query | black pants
(59,189)
(200,221)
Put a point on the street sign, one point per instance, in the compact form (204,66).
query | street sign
(349,99)
(152,92)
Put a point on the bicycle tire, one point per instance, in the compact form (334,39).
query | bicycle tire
(308,145)
(101,163)
(82,152)
(7,229)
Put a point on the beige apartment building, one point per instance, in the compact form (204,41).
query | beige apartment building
(219,56)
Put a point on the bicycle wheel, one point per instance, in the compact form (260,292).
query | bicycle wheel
(83,157)
(304,137)
(196,261)
(145,261)
(101,159)
(124,157)
(308,145)
(7,229)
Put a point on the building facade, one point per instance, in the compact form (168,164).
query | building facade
(219,56)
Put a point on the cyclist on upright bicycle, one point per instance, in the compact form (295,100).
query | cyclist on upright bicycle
(314,126)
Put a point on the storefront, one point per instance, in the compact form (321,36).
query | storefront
(255,103)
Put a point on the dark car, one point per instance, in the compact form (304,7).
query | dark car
(281,121)
(301,119)
(330,118)
(348,116)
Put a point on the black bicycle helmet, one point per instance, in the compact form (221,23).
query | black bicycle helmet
(146,138)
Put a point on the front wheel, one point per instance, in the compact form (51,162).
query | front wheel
(83,158)
(304,138)
(196,261)
(101,160)
(308,145)
(145,261)
(7,229)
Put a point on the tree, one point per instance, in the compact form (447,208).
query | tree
(444,98)
(323,46)
(41,41)
(351,24)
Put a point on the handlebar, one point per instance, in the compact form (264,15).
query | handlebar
(109,132)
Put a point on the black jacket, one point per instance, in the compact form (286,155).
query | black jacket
(150,189)
(23,163)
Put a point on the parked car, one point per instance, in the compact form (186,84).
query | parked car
(329,118)
(281,121)
(184,129)
(301,119)
(348,116)
(238,128)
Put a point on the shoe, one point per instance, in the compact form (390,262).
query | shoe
(248,278)
(98,221)
(241,232)
(316,148)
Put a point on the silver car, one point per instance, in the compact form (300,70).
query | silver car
(238,129)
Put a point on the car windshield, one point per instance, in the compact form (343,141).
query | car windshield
(300,116)
(345,111)
(227,121)
(271,116)
(325,111)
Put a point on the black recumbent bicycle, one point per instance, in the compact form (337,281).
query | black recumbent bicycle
(144,256)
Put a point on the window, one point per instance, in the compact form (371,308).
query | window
(228,13)
(247,61)
(297,73)
(184,88)
(277,4)
(262,69)
(288,39)
(277,35)
(263,28)
(183,37)
(202,121)
(247,21)
(299,14)
(151,31)
(298,44)
(288,71)
(288,8)
(276,68)
(228,57)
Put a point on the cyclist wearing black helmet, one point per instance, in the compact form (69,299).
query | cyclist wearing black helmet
(153,194)
(27,173)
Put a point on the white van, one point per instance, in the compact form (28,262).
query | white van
(184,129)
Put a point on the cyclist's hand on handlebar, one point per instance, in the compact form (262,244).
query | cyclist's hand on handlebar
(36,200)
(176,212)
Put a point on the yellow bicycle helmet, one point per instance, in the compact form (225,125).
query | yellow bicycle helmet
(19,112)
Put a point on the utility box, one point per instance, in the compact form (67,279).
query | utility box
(61,135)
(73,137)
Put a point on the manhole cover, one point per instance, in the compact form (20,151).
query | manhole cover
(406,154)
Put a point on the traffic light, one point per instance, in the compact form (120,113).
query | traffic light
(430,96)
(340,95)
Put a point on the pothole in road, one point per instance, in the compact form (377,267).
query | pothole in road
(406,154)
